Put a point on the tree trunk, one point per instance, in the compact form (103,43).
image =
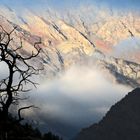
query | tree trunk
(4,124)
(8,103)
(5,114)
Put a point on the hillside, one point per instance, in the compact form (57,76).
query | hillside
(66,43)
(120,123)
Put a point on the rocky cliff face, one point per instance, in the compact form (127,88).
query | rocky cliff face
(120,123)
(125,72)
(114,29)
(65,43)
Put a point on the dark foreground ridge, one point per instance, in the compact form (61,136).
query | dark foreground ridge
(12,130)
(122,122)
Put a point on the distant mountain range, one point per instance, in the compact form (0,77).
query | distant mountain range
(70,40)
(120,123)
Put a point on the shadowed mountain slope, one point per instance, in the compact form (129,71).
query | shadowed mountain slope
(122,122)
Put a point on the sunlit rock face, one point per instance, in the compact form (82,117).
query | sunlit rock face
(117,29)
(125,72)
(66,42)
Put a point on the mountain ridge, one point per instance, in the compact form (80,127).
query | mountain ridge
(121,121)
(64,44)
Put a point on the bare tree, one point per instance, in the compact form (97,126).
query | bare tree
(19,66)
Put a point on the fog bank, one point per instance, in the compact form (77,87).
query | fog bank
(74,100)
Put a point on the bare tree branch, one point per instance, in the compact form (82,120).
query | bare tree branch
(9,91)
(24,108)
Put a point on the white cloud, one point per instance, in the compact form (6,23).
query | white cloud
(128,49)
(76,99)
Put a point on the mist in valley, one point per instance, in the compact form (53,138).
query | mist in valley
(75,99)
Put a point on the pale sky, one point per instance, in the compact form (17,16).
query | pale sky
(60,4)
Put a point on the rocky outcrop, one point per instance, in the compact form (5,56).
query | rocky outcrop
(64,44)
(120,123)
(125,72)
